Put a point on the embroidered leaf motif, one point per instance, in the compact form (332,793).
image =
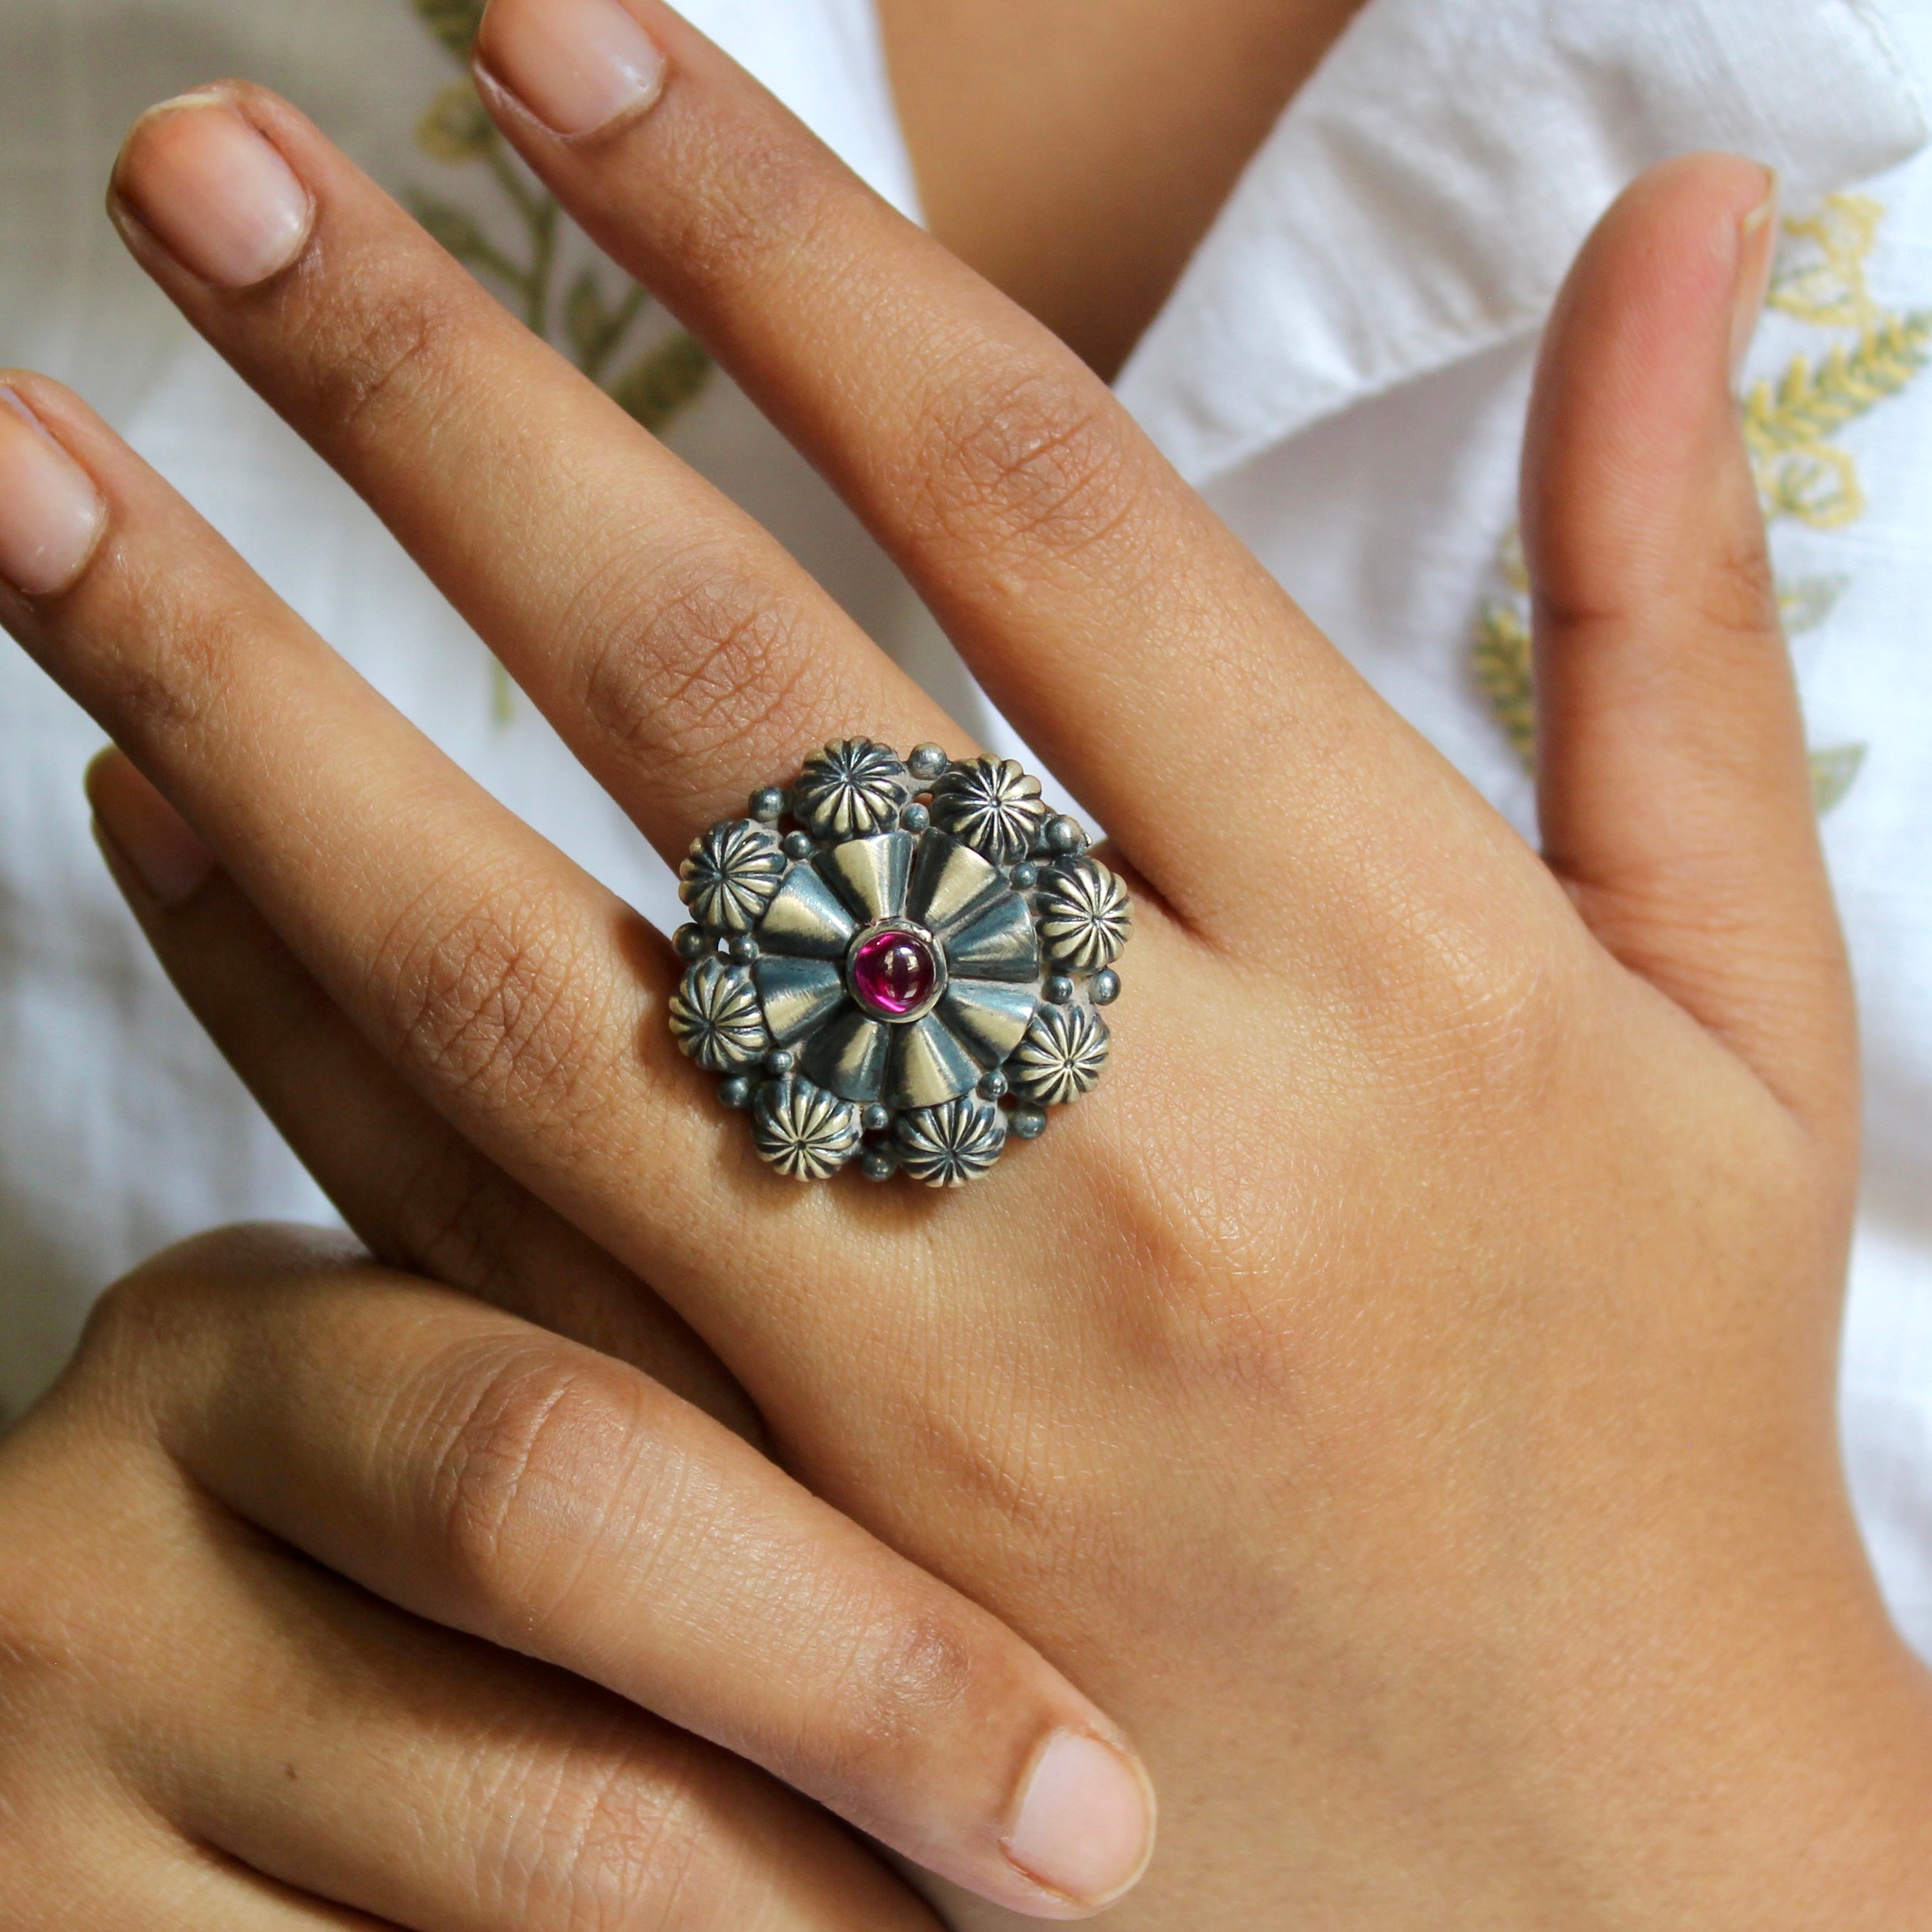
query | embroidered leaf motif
(664,382)
(594,327)
(453,23)
(456,129)
(1820,276)
(455,229)
(1511,561)
(1818,487)
(1832,773)
(1501,662)
(1816,399)
(1804,603)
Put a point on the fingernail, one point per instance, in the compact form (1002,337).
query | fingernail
(577,65)
(1757,247)
(213,190)
(159,846)
(51,514)
(1085,1826)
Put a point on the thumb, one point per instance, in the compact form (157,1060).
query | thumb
(1673,788)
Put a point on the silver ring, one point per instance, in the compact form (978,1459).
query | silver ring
(897,963)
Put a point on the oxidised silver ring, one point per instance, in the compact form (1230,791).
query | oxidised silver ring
(898,961)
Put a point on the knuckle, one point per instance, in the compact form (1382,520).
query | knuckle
(1038,458)
(715,661)
(531,1443)
(1737,591)
(496,1001)
(377,353)
(909,1669)
(629,1850)
(764,198)
(197,635)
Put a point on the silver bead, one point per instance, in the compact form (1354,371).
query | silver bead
(1083,914)
(730,874)
(1025,876)
(1061,1056)
(879,1163)
(780,1061)
(798,846)
(1026,1122)
(737,1091)
(805,1132)
(915,818)
(1104,988)
(850,789)
(768,804)
(1057,991)
(926,763)
(743,948)
(877,1120)
(992,1085)
(716,1018)
(1065,835)
(692,942)
(950,1144)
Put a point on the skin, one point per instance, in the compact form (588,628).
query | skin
(1432,1459)
(1075,155)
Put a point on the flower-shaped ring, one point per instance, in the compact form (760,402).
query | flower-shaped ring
(898,962)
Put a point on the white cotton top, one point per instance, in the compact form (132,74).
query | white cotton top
(1343,369)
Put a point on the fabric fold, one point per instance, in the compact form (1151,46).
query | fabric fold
(1422,197)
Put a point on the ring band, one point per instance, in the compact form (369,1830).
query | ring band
(899,962)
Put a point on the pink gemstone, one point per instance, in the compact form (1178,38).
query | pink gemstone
(893,974)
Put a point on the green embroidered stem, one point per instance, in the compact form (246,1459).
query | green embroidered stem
(1502,660)
(1814,401)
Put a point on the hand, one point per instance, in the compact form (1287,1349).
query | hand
(315,1570)
(1423,1437)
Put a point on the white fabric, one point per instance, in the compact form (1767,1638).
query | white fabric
(1343,368)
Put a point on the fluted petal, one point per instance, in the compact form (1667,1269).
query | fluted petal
(806,919)
(951,884)
(848,1056)
(927,1065)
(1000,944)
(988,1021)
(870,874)
(797,994)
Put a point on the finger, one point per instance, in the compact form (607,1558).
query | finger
(504,1482)
(1134,642)
(119,1873)
(442,1784)
(1673,782)
(522,999)
(684,656)
(417,1193)
(282,1735)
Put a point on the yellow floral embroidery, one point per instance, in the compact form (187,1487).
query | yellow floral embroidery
(659,384)
(1821,279)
